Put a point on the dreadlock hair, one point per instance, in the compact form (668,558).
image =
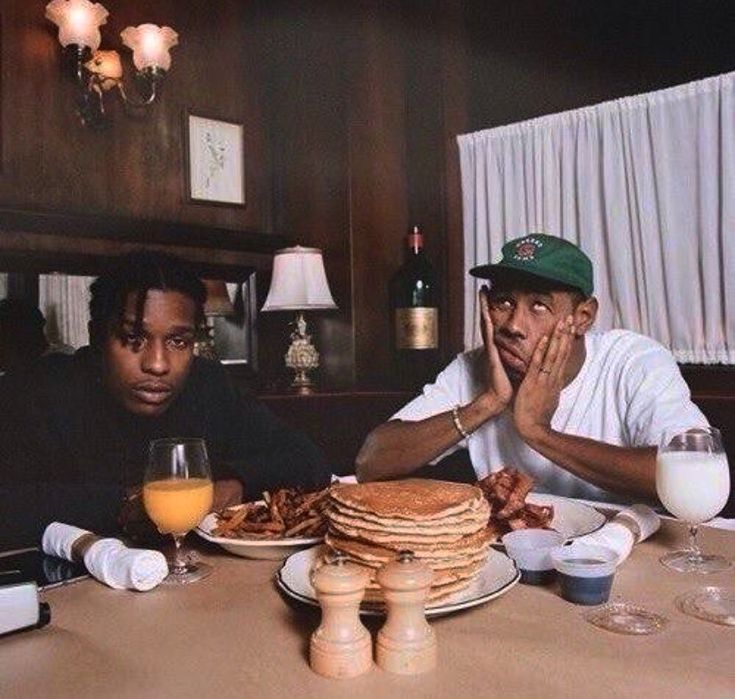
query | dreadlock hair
(138,272)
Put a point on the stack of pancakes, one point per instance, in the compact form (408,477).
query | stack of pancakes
(444,524)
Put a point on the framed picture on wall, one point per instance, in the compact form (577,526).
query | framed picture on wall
(215,161)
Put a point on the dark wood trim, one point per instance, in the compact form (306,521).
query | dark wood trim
(715,381)
(455,107)
(91,264)
(2,110)
(138,230)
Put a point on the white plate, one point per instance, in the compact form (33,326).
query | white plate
(498,576)
(270,549)
(571,519)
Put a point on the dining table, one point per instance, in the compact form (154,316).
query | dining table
(235,634)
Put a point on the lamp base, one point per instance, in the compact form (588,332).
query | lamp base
(303,384)
(302,357)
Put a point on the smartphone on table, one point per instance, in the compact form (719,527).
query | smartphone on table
(34,565)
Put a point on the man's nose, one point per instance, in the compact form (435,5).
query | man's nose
(514,322)
(155,359)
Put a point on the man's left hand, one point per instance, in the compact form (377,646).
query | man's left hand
(538,395)
(227,492)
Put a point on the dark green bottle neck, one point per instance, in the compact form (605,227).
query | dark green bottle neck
(415,243)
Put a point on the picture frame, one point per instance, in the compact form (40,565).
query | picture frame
(215,160)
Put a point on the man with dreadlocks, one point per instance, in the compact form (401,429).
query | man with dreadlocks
(73,448)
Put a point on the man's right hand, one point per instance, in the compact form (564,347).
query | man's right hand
(134,520)
(498,389)
(397,448)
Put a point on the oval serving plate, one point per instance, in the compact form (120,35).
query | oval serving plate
(571,518)
(497,577)
(269,549)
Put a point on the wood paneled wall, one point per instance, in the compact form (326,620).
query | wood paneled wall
(135,167)
(364,109)
(351,109)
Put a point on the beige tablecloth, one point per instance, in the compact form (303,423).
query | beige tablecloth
(234,635)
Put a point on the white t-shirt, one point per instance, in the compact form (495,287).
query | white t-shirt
(628,391)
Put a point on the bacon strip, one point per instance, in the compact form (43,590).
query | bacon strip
(506,491)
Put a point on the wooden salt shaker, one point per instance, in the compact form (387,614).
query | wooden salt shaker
(406,644)
(341,647)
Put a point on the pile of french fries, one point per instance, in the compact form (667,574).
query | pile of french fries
(283,513)
(506,493)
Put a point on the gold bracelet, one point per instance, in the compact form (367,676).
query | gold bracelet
(458,423)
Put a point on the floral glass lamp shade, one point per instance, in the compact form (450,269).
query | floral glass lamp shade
(299,283)
(98,72)
(150,45)
(78,22)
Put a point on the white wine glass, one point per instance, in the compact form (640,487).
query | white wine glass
(177,495)
(693,483)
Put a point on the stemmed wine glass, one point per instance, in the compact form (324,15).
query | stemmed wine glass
(693,483)
(177,495)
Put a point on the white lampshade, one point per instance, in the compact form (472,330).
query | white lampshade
(78,21)
(299,282)
(150,45)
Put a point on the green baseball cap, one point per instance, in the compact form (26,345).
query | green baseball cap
(544,256)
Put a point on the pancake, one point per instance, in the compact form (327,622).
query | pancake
(412,499)
(459,525)
(472,515)
(376,557)
(441,577)
(406,539)
(443,524)
(435,546)
(435,593)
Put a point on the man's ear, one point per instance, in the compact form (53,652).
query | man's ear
(585,315)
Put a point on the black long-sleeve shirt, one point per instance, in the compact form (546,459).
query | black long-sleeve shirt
(68,452)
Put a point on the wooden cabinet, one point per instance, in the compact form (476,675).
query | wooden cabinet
(338,421)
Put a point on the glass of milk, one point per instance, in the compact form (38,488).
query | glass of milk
(693,483)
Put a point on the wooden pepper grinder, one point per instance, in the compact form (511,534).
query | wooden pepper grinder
(341,647)
(406,644)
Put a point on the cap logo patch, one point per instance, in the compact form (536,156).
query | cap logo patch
(525,249)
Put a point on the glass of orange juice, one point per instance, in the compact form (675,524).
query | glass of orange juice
(177,495)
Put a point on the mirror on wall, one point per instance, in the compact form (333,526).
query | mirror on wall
(63,299)
(230,317)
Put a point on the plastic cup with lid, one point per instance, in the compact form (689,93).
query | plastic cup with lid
(531,551)
(585,572)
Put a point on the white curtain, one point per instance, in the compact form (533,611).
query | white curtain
(645,185)
(64,301)
(3,285)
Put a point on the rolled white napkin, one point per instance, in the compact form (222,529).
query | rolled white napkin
(58,539)
(630,526)
(109,560)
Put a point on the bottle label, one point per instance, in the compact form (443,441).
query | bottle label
(417,328)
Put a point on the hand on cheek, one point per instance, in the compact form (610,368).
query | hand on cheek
(538,395)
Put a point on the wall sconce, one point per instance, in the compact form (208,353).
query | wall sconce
(299,283)
(97,72)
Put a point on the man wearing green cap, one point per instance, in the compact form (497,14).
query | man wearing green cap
(581,412)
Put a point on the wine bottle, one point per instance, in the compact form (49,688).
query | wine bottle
(414,295)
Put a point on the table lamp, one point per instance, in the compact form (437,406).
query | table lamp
(218,304)
(299,283)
